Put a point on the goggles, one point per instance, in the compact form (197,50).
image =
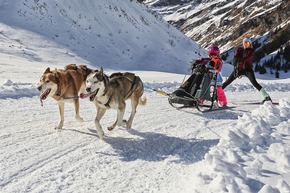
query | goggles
(246,43)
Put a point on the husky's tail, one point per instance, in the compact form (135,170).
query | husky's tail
(142,101)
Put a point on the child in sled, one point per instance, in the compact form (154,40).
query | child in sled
(214,62)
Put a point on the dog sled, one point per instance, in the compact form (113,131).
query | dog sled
(199,90)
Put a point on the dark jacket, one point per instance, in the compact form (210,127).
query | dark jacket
(243,58)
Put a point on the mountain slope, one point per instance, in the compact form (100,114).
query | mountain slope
(112,34)
(226,22)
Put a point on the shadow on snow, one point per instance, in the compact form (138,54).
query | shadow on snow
(158,147)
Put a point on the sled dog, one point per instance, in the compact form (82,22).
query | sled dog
(64,86)
(112,92)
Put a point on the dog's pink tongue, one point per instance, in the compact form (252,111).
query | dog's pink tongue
(86,95)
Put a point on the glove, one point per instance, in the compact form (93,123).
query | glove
(211,63)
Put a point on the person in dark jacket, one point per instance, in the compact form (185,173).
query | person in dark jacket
(243,62)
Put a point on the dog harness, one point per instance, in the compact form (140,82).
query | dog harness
(133,82)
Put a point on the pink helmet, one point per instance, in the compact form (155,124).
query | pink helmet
(214,50)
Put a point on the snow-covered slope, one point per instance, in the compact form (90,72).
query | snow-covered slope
(225,22)
(113,34)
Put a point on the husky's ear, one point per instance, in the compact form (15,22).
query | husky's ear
(56,73)
(47,70)
(101,70)
(94,72)
(87,71)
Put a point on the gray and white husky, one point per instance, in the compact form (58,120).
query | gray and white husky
(112,92)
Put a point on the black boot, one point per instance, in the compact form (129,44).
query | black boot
(267,98)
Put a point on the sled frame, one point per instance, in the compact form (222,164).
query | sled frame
(193,102)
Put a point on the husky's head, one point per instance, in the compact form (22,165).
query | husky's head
(95,81)
(48,83)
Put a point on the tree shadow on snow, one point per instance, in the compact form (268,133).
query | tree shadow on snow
(158,147)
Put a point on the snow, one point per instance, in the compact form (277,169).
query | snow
(245,149)
(92,31)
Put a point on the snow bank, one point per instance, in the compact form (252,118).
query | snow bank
(242,154)
(10,89)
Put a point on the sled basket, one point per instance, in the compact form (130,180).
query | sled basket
(200,87)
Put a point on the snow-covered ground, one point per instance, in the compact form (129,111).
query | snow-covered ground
(245,149)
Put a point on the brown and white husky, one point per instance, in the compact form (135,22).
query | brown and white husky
(64,86)
(107,93)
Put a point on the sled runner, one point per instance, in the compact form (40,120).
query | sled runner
(199,90)
(256,103)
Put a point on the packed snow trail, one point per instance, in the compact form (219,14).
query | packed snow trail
(167,150)
(41,157)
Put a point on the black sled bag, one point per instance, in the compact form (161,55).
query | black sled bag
(196,87)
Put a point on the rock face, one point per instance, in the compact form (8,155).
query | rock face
(226,22)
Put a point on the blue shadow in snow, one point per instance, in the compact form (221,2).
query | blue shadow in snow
(157,147)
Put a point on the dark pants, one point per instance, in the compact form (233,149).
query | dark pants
(248,73)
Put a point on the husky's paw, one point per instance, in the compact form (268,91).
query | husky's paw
(100,132)
(59,126)
(79,119)
(101,135)
(126,123)
(110,128)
